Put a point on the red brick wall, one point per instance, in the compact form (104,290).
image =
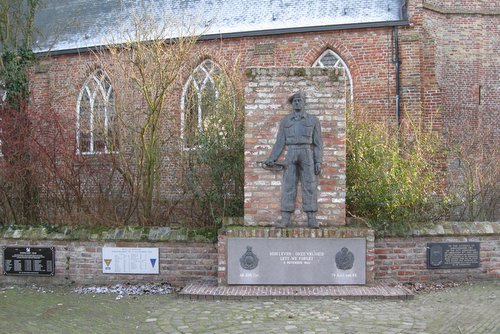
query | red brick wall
(80,262)
(448,56)
(266,103)
(463,61)
(394,258)
(465,48)
(405,259)
(367,52)
(462,6)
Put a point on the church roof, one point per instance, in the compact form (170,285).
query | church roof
(72,25)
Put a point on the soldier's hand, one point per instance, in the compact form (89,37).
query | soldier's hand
(317,168)
(269,162)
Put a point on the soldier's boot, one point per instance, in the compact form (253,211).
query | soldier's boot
(285,219)
(311,220)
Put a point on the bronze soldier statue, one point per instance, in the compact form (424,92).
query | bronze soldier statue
(301,132)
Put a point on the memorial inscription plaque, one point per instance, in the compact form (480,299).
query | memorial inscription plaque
(299,261)
(130,260)
(453,255)
(36,261)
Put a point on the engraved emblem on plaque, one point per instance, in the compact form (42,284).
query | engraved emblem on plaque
(249,260)
(436,257)
(344,259)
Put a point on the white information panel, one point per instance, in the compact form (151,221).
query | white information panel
(129,260)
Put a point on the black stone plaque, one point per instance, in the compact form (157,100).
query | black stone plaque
(36,261)
(453,255)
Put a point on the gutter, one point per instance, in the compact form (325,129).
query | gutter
(256,33)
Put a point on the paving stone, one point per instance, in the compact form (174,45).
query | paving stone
(467,308)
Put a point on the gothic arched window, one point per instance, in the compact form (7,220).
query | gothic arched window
(331,59)
(95,122)
(198,98)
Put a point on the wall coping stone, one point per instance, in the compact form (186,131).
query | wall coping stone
(297,232)
(129,233)
(159,234)
(335,74)
(457,229)
(446,228)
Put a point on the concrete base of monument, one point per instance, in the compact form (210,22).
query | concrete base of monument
(295,256)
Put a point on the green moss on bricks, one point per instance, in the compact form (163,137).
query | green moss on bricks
(300,72)
(249,73)
(202,234)
(210,234)
(295,72)
(333,75)
(52,228)
(103,233)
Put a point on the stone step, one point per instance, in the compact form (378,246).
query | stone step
(208,289)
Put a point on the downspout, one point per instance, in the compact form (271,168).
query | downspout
(396,63)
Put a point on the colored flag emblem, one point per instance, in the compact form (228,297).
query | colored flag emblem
(153,262)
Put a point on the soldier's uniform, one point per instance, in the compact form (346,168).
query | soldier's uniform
(301,133)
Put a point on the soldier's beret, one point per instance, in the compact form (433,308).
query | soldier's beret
(297,94)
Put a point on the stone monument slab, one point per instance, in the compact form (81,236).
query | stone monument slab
(296,261)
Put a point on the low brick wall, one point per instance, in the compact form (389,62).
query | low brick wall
(80,261)
(185,257)
(405,259)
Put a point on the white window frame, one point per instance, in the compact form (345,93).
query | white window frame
(97,78)
(199,86)
(340,63)
(3,92)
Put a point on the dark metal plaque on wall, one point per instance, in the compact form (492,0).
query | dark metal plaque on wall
(452,255)
(37,261)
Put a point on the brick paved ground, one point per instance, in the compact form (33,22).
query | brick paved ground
(209,290)
(462,310)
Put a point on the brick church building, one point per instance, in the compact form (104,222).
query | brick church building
(401,57)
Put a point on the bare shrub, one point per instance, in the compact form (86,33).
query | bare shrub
(474,163)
